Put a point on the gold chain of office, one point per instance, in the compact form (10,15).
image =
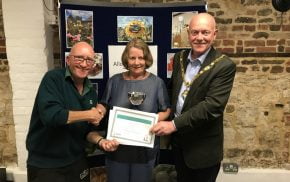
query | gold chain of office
(187,83)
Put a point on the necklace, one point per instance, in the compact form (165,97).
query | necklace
(140,77)
(189,83)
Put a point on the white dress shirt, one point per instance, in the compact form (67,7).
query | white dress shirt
(192,69)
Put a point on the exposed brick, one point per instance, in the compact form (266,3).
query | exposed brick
(281,48)
(238,28)
(232,36)
(271,42)
(219,13)
(264,12)
(263,27)
(250,28)
(2,42)
(254,43)
(217,43)
(228,50)
(285,156)
(277,69)
(261,35)
(254,2)
(287,120)
(230,108)
(240,42)
(214,6)
(267,153)
(249,50)
(228,42)
(223,28)
(219,49)
(256,68)
(287,49)
(266,49)
(275,27)
(2,49)
(211,13)
(285,27)
(288,42)
(251,12)
(235,152)
(281,42)
(288,69)
(249,62)
(241,69)
(266,20)
(239,49)
(223,20)
(245,20)
(265,68)
(222,35)
(271,61)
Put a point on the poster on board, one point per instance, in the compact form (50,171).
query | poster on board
(129,27)
(79,27)
(169,64)
(180,22)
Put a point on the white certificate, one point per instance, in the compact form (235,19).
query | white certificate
(131,127)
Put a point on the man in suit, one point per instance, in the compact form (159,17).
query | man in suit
(200,86)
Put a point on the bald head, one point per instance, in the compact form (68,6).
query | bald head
(203,18)
(83,47)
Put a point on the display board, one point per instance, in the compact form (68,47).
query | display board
(109,26)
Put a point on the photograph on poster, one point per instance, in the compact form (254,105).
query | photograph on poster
(169,64)
(79,27)
(129,27)
(97,71)
(180,22)
(115,63)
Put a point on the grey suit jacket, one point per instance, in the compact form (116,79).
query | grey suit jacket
(200,125)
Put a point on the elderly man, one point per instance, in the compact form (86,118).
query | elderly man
(200,86)
(64,108)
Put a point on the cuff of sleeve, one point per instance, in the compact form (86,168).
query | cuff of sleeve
(174,124)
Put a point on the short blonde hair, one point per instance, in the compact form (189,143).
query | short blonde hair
(139,44)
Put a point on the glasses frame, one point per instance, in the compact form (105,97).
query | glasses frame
(80,59)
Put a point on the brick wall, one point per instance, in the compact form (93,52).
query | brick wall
(8,154)
(257,38)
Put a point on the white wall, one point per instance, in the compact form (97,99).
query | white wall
(29,53)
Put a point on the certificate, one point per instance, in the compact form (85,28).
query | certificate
(131,127)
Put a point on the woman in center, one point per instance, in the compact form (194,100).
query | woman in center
(135,163)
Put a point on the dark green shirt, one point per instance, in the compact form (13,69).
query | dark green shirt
(50,141)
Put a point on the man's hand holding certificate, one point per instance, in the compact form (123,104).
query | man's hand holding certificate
(131,127)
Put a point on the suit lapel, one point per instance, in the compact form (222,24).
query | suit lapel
(179,79)
(212,55)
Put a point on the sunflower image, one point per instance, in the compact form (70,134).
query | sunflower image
(135,29)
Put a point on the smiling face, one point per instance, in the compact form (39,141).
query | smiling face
(136,61)
(80,60)
(201,33)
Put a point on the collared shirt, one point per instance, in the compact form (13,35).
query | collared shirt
(87,84)
(192,69)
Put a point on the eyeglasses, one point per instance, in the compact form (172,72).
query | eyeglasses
(81,59)
(203,32)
